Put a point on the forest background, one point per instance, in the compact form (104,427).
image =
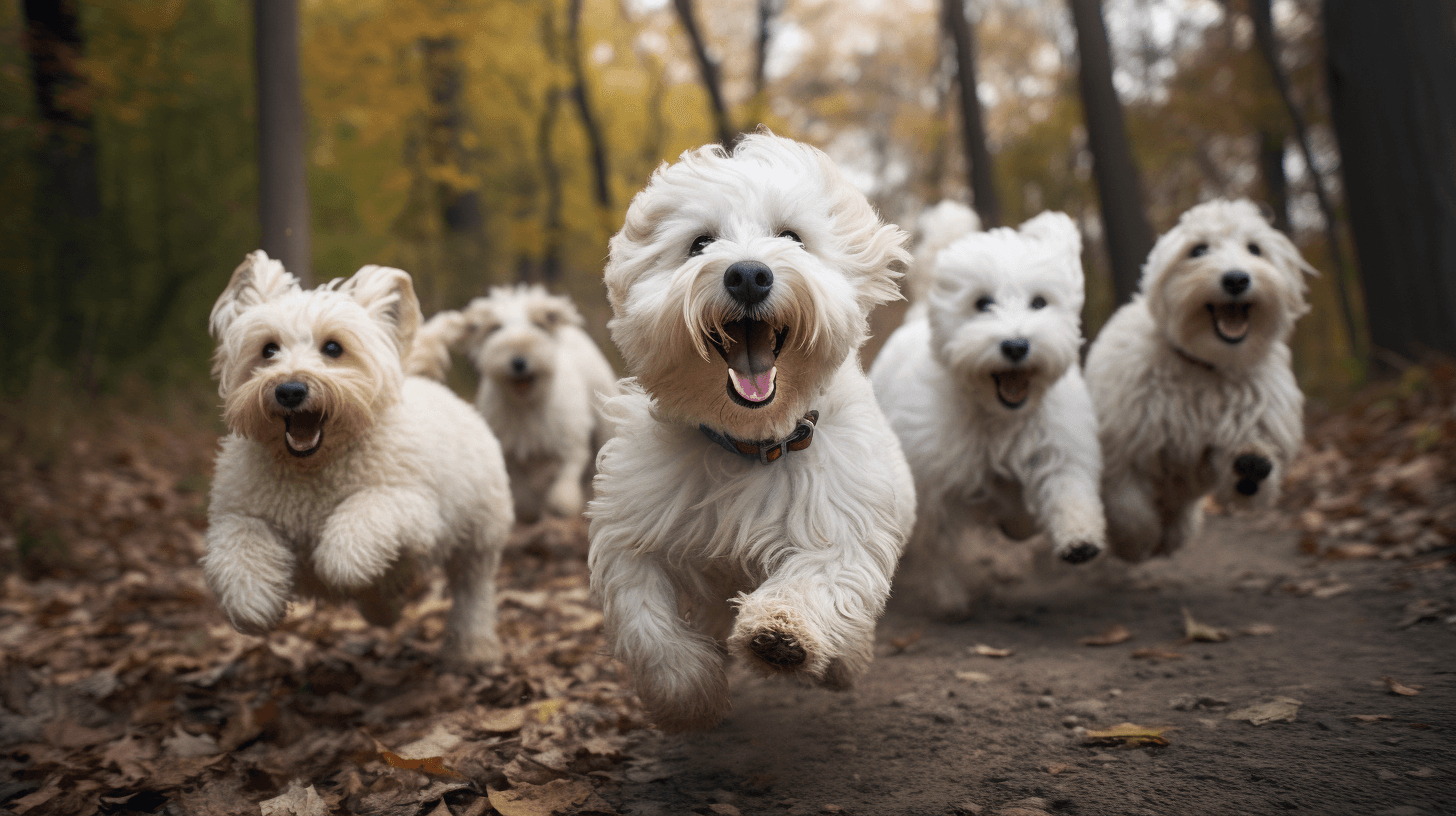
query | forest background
(482,142)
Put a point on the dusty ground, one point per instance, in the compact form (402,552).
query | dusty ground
(937,729)
(122,689)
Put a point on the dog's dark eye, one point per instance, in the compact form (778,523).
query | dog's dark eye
(792,236)
(270,350)
(984,304)
(333,349)
(490,329)
(1197,250)
(1038,302)
(1254,249)
(700,243)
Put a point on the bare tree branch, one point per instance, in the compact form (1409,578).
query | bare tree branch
(708,70)
(973,129)
(579,96)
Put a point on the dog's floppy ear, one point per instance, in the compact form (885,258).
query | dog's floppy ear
(553,312)
(388,295)
(1056,229)
(258,279)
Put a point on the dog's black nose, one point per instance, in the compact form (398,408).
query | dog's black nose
(1235,282)
(518,366)
(290,394)
(1015,349)
(748,282)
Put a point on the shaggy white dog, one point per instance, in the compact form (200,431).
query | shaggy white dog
(340,473)
(542,383)
(754,500)
(982,386)
(1191,379)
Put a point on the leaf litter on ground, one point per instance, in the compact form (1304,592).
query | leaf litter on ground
(1279,709)
(1128,734)
(1111,636)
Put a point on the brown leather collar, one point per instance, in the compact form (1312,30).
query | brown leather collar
(767,451)
(1204,364)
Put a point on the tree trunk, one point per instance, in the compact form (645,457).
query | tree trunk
(973,130)
(1262,14)
(707,69)
(551,223)
(767,9)
(1124,220)
(282,137)
(579,96)
(1393,103)
(68,202)
(1276,182)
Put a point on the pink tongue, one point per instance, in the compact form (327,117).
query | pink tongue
(757,387)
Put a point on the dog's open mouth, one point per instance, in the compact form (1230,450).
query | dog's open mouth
(1230,321)
(1012,386)
(303,431)
(522,385)
(751,349)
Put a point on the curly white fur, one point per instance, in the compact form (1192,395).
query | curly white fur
(982,386)
(697,552)
(338,494)
(542,383)
(1192,381)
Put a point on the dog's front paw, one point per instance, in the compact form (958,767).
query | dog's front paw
(1252,469)
(1079,552)
(255,614)
(776,642)
(780,650)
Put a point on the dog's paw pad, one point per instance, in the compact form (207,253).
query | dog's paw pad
(778,650)
(1247,487)
(1253,468)
(1080,553)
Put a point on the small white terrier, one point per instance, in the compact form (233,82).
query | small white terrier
(754,500)
(542,383)
(982,386)
(340,472)
(1192,380)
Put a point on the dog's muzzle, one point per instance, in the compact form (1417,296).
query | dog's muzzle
(751,349)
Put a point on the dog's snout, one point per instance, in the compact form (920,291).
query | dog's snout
(748,282)
(1016,349)
(1235,282)
(290,395)
(518,366)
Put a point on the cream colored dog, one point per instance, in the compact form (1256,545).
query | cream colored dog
(1192,382)
(981,384)
(754,501)
(340,472)
(542,383)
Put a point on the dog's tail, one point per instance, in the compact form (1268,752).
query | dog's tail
(938,227)
(429,355)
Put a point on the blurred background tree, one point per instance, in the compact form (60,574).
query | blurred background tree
(481,142)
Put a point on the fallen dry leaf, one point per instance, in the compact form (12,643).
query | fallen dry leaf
(973,676)
(296,801)
(1370,717)
(1258,630)
(1396,687)
(1127,734)
(1195,632)
(1057,767)
(990,651)
(900,644)
(502,720)
(1111,636)
(1156,654)
(555,798)
(1280,709)
(434,765)
(724,809)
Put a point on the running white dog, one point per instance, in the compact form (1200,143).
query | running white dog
(754,501)
(1192,381)
(340,472)
(982,386)
(542,383)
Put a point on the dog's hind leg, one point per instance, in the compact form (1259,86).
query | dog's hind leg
(1134,525)
(677,671)
(472,631)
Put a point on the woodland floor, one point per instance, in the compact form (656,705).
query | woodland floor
(122,689)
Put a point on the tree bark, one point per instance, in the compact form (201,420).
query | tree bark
(707,69)
(1262,14)
(580,97)
(448,122)
(1393,104)
(767,9)
(282,136)
(551,222)
(981,175)
(68,201)
(1124,219)
(1276,182)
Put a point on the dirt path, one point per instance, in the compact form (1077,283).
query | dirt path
(936,729)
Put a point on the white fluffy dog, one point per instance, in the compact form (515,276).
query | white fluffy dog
(1192,381)
(542,383)
(340,472)
(754,500)
(982,385)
